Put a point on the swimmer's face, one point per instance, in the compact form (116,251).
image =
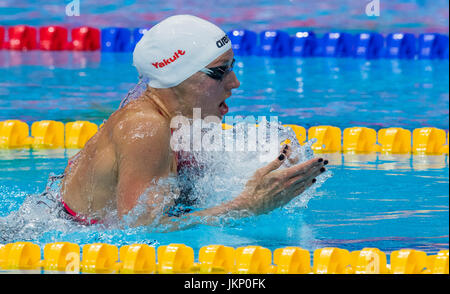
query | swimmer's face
(202,91)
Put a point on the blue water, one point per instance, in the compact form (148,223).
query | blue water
(342,92)
(415,16)
(388,202)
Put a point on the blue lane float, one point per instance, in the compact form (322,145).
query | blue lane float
(243,42)
(402,46)
(137,35)
(274,44)
(433,46)
(337,45)
(277,43)
(303,44)
(369,45)
(116,40)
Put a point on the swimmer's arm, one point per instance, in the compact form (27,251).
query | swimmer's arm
(143,155)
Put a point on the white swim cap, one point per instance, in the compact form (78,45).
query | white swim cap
(176,48)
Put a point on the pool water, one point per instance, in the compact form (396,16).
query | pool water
(415,16)
(388,202)
(343,92)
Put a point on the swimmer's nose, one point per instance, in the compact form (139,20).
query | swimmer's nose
(234,82)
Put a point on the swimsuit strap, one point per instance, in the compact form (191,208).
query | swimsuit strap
(78,217)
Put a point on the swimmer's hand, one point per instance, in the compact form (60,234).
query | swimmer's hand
(268,189)
(271,187)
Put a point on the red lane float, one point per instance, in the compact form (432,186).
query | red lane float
(52,38)
(21,37)
(85,39)
(2,36)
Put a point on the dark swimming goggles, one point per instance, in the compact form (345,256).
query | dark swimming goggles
(218,72)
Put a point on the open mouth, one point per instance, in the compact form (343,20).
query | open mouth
(223,107)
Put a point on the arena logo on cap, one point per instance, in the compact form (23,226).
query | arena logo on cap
(220,43)
(164,62)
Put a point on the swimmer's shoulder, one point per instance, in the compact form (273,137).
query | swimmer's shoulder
(138,120)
